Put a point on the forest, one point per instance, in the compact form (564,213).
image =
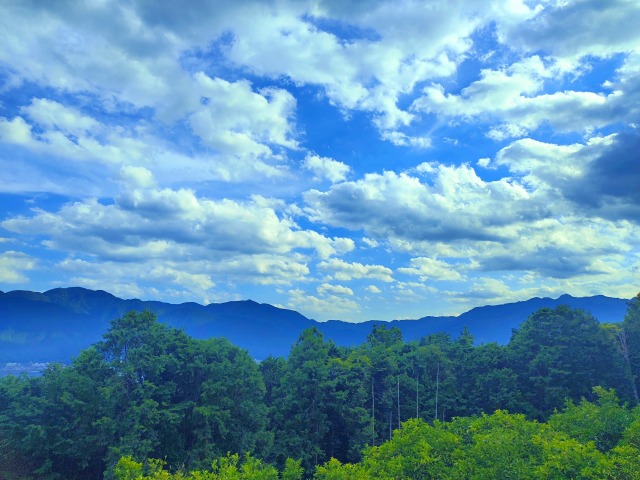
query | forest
(560,400)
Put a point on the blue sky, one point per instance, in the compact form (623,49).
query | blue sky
(346,159)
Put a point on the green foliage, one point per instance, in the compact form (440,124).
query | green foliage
(230,467)
(146,390)
(631,329)
(498,446)
(417,450)
(602,422)
(150,391)
(335,470)
(561,353)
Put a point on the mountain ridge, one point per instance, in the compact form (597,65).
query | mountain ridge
(57,324)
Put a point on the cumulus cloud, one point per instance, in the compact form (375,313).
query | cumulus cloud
(515,99)
(53,115)
(173,237)
(13,266)
(322,306)
(237,135)
(150,223)
(369,72)
(326,168)
(146,53)
(456,204)
(431,269)
(341,270)
(235,120)
(506,131)
(456,221)
(176,281)
(327,289)
(600,175)
(611,181)
(137,177)
(577,29)
(153,121)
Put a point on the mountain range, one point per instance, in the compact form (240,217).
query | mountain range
(56,325)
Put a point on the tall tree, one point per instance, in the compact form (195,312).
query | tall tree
(560,353)
(631,339)
(302,413)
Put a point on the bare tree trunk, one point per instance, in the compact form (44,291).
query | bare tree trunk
(437,389)
(373,415)
(399,425)
(417,400)
(624,351)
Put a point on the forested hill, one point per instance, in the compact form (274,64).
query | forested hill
(56,325)
(149,391)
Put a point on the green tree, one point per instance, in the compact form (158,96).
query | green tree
(383,348)
(630,342)
(416,451)
(602,422)
(301,417)
(560,353)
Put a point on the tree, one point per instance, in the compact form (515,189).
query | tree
(169,396)
(301,418)
(383,348)
(560,353)
(631,341)
(349,420)
(601,422)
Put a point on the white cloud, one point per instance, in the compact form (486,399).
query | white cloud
(54,115)
(515,97)
(327,289)
(484,162)
(322,307)
(137,177)
(598,176)
(15,131)
(184,279)
(326,168)
(98,48)
(543,164)
(454,218)
(370,242)
(341,270)
(237,130)
(369,72)
(506,131)
(495,90)
(402,140)
(372,289)
(13,266)
(154,108)
(412,291)
(178,281)
(147,224)
(578,28)
(148,55)
(455,204)
(263,269)
(235,120)
(431,269)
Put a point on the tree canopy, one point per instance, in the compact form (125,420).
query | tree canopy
(557,402)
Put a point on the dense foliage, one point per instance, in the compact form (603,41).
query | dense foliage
(149,391)
(586,441)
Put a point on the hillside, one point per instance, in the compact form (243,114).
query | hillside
(57,324)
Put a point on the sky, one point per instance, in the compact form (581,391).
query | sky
(346,159)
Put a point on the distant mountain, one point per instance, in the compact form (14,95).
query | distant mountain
(487,324)
(56,325)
